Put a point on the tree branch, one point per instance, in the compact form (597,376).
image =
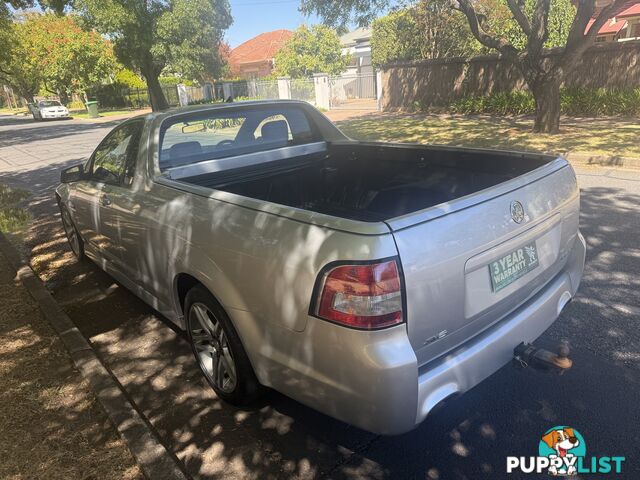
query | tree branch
(46,87)
(539,30)
(516,9)
(500,44)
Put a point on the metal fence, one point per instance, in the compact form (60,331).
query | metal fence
(345,91)
(195,94)
(353,91)
(110,96)
(263,89)
(303,89)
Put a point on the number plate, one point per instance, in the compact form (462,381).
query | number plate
(511,267)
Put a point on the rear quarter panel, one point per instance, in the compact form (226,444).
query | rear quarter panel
(250,260)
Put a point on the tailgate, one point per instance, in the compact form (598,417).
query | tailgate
(447,252)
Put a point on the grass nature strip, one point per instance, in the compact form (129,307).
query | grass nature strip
(12,216)
(52,427)
(605,136)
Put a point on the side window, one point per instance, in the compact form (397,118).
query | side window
(116,155)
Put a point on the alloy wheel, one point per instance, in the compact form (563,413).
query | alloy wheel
(71,232)
(212,348)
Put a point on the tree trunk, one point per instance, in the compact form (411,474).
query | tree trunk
(156,95)
(546,92)
(27,95)
(64,97)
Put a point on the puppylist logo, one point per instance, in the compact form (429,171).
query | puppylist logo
(563,451)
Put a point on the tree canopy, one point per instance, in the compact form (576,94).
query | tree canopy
(71,59)
(181,36)
(429,29)
(19,66)
(311,50)
(53,52)
(500,21)
(395,37)
(432,29)
(345,12)
(56,6)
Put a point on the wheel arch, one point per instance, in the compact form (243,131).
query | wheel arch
(185,281)
(182,283)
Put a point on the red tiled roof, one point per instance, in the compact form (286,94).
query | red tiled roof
(260,48)
(609,28)
(631,11)
(600,4)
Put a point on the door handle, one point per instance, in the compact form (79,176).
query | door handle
(105,201)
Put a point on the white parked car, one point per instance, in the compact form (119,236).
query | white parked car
(46,109)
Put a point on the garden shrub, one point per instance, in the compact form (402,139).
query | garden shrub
(76,105)
(577,102)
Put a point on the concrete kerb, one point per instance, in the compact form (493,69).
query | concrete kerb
(155,460)
(603,160)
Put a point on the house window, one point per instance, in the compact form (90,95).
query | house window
(601,39)
(635,30)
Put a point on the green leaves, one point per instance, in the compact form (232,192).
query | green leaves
(429,29)
(396,37)
(182,36)
(500,21)
(311,50)
(19,63)
(577,102)
(189,35)
(345,12)
(69,58)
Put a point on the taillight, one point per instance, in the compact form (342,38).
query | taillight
(367,296)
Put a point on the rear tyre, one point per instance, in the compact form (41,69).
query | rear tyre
(218,350)
(73,236)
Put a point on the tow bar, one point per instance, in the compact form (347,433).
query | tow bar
(527,355)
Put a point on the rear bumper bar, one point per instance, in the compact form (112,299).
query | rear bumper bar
(467,366)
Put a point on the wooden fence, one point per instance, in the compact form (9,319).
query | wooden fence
(440,81)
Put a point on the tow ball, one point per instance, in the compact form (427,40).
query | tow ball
(527,355)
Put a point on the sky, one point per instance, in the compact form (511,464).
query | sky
(252,17)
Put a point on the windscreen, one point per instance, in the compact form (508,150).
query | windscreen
(49,103)
(226,132)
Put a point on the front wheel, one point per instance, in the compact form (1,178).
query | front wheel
(73,237)
(218,350)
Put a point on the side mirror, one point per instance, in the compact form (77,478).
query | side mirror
(72,174)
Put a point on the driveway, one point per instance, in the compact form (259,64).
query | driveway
(279,438)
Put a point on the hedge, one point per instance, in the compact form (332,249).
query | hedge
(576,102)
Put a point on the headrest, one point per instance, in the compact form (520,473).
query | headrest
(184,149)
(275,131)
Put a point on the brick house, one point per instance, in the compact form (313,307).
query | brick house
(254,58)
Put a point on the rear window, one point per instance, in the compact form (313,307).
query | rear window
(217,134)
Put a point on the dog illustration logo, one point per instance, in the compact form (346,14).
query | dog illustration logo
(562,445)
(531,253)
(562,452)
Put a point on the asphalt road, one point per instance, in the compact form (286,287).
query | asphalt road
(467,439)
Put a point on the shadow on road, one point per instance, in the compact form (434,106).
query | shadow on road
(607,307)
(25,130)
